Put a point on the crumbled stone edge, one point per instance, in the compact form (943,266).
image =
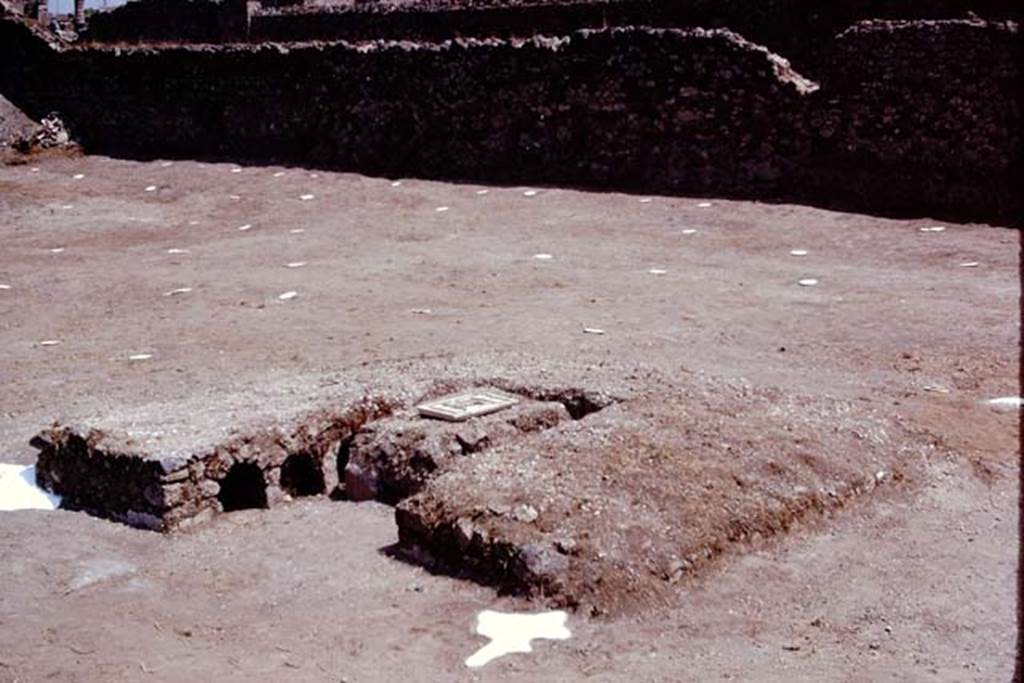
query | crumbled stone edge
(110,475)
(503,546)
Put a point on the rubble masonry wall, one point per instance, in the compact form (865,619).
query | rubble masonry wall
(920,117)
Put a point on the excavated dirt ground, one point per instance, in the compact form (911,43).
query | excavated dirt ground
(913,579)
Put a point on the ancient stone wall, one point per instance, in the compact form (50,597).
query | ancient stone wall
(114,475)
(701,110)
(799,30)
(922,114)
(918,117)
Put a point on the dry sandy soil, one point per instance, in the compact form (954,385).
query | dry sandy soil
(914,582)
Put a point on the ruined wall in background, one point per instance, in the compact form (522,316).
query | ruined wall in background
(911,117)
(24,47)
(799,30)
(922,114)
(667,110)
(171,21)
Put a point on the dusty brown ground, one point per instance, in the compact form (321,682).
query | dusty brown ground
(915,582)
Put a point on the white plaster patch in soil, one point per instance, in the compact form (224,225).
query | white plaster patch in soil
(18,490)
(96,571)
(511,633)
(1006,402)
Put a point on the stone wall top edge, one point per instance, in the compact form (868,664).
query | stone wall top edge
(550,42)
(903,25)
